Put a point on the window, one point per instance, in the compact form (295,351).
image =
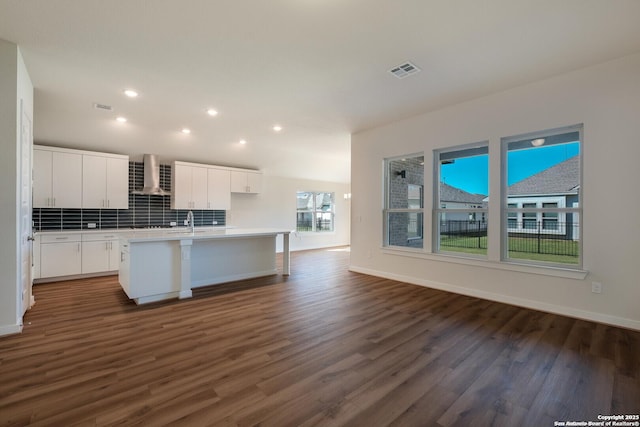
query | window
(315,211)
(542,207)
(404,201)
(415,202)
(462,177)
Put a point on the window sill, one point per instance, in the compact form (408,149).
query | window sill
(568,273)
(314,233)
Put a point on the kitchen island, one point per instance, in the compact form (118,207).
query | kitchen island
(162,264)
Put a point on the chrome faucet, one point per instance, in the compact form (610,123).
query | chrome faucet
(190,221)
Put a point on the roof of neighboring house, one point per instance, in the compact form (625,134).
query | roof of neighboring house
(453,194)
(563,178)
(305,201)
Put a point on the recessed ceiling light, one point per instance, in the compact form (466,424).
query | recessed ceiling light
(186,130)
(277,128)
(212,112)
(537,142)
(121,119)
(242,141)
(130,93)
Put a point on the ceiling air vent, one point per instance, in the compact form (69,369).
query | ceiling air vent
(102,107)
(404,70)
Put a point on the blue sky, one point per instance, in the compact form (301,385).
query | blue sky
(472,173)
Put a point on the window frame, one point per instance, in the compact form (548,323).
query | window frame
(315,210)
(387,211)
(561,211)
(440,207)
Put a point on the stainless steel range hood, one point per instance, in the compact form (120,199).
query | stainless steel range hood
(151,177)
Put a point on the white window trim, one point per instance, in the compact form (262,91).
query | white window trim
(504,230)
(436,213)
(386,211)
(314,231)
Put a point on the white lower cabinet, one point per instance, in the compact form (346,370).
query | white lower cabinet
(57,254)
(100,253)
(60,255)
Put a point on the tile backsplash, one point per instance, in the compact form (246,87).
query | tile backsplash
(144,211)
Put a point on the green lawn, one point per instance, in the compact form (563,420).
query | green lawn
(455,244)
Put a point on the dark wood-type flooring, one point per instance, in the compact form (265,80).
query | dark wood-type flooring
(322,347)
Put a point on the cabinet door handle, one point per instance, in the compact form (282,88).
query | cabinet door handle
(79,249)
(61,238)
(54,201)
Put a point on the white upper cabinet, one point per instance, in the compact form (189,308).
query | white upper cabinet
(66,178)
(57,179)
(105,182)
(188,186)
(219,189)
(42,174)
(190,181)
(118,182)
(246,181)
(199,182)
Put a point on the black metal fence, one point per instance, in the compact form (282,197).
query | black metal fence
(544,237)
(539,237)
(463,234)
(321,225)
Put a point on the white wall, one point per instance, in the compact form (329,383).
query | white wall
(15,85)
(606,98)
(275,206)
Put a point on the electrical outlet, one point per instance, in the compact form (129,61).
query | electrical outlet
(596,287)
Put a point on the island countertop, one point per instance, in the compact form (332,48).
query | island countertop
(160,264)
(148,235)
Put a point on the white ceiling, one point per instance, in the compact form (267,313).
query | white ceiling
(317,67)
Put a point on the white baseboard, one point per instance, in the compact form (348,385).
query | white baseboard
(521,302)
(10,329)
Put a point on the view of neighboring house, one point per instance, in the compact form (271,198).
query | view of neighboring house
(314,211)
(555,187)
(461,222)
(456,198)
